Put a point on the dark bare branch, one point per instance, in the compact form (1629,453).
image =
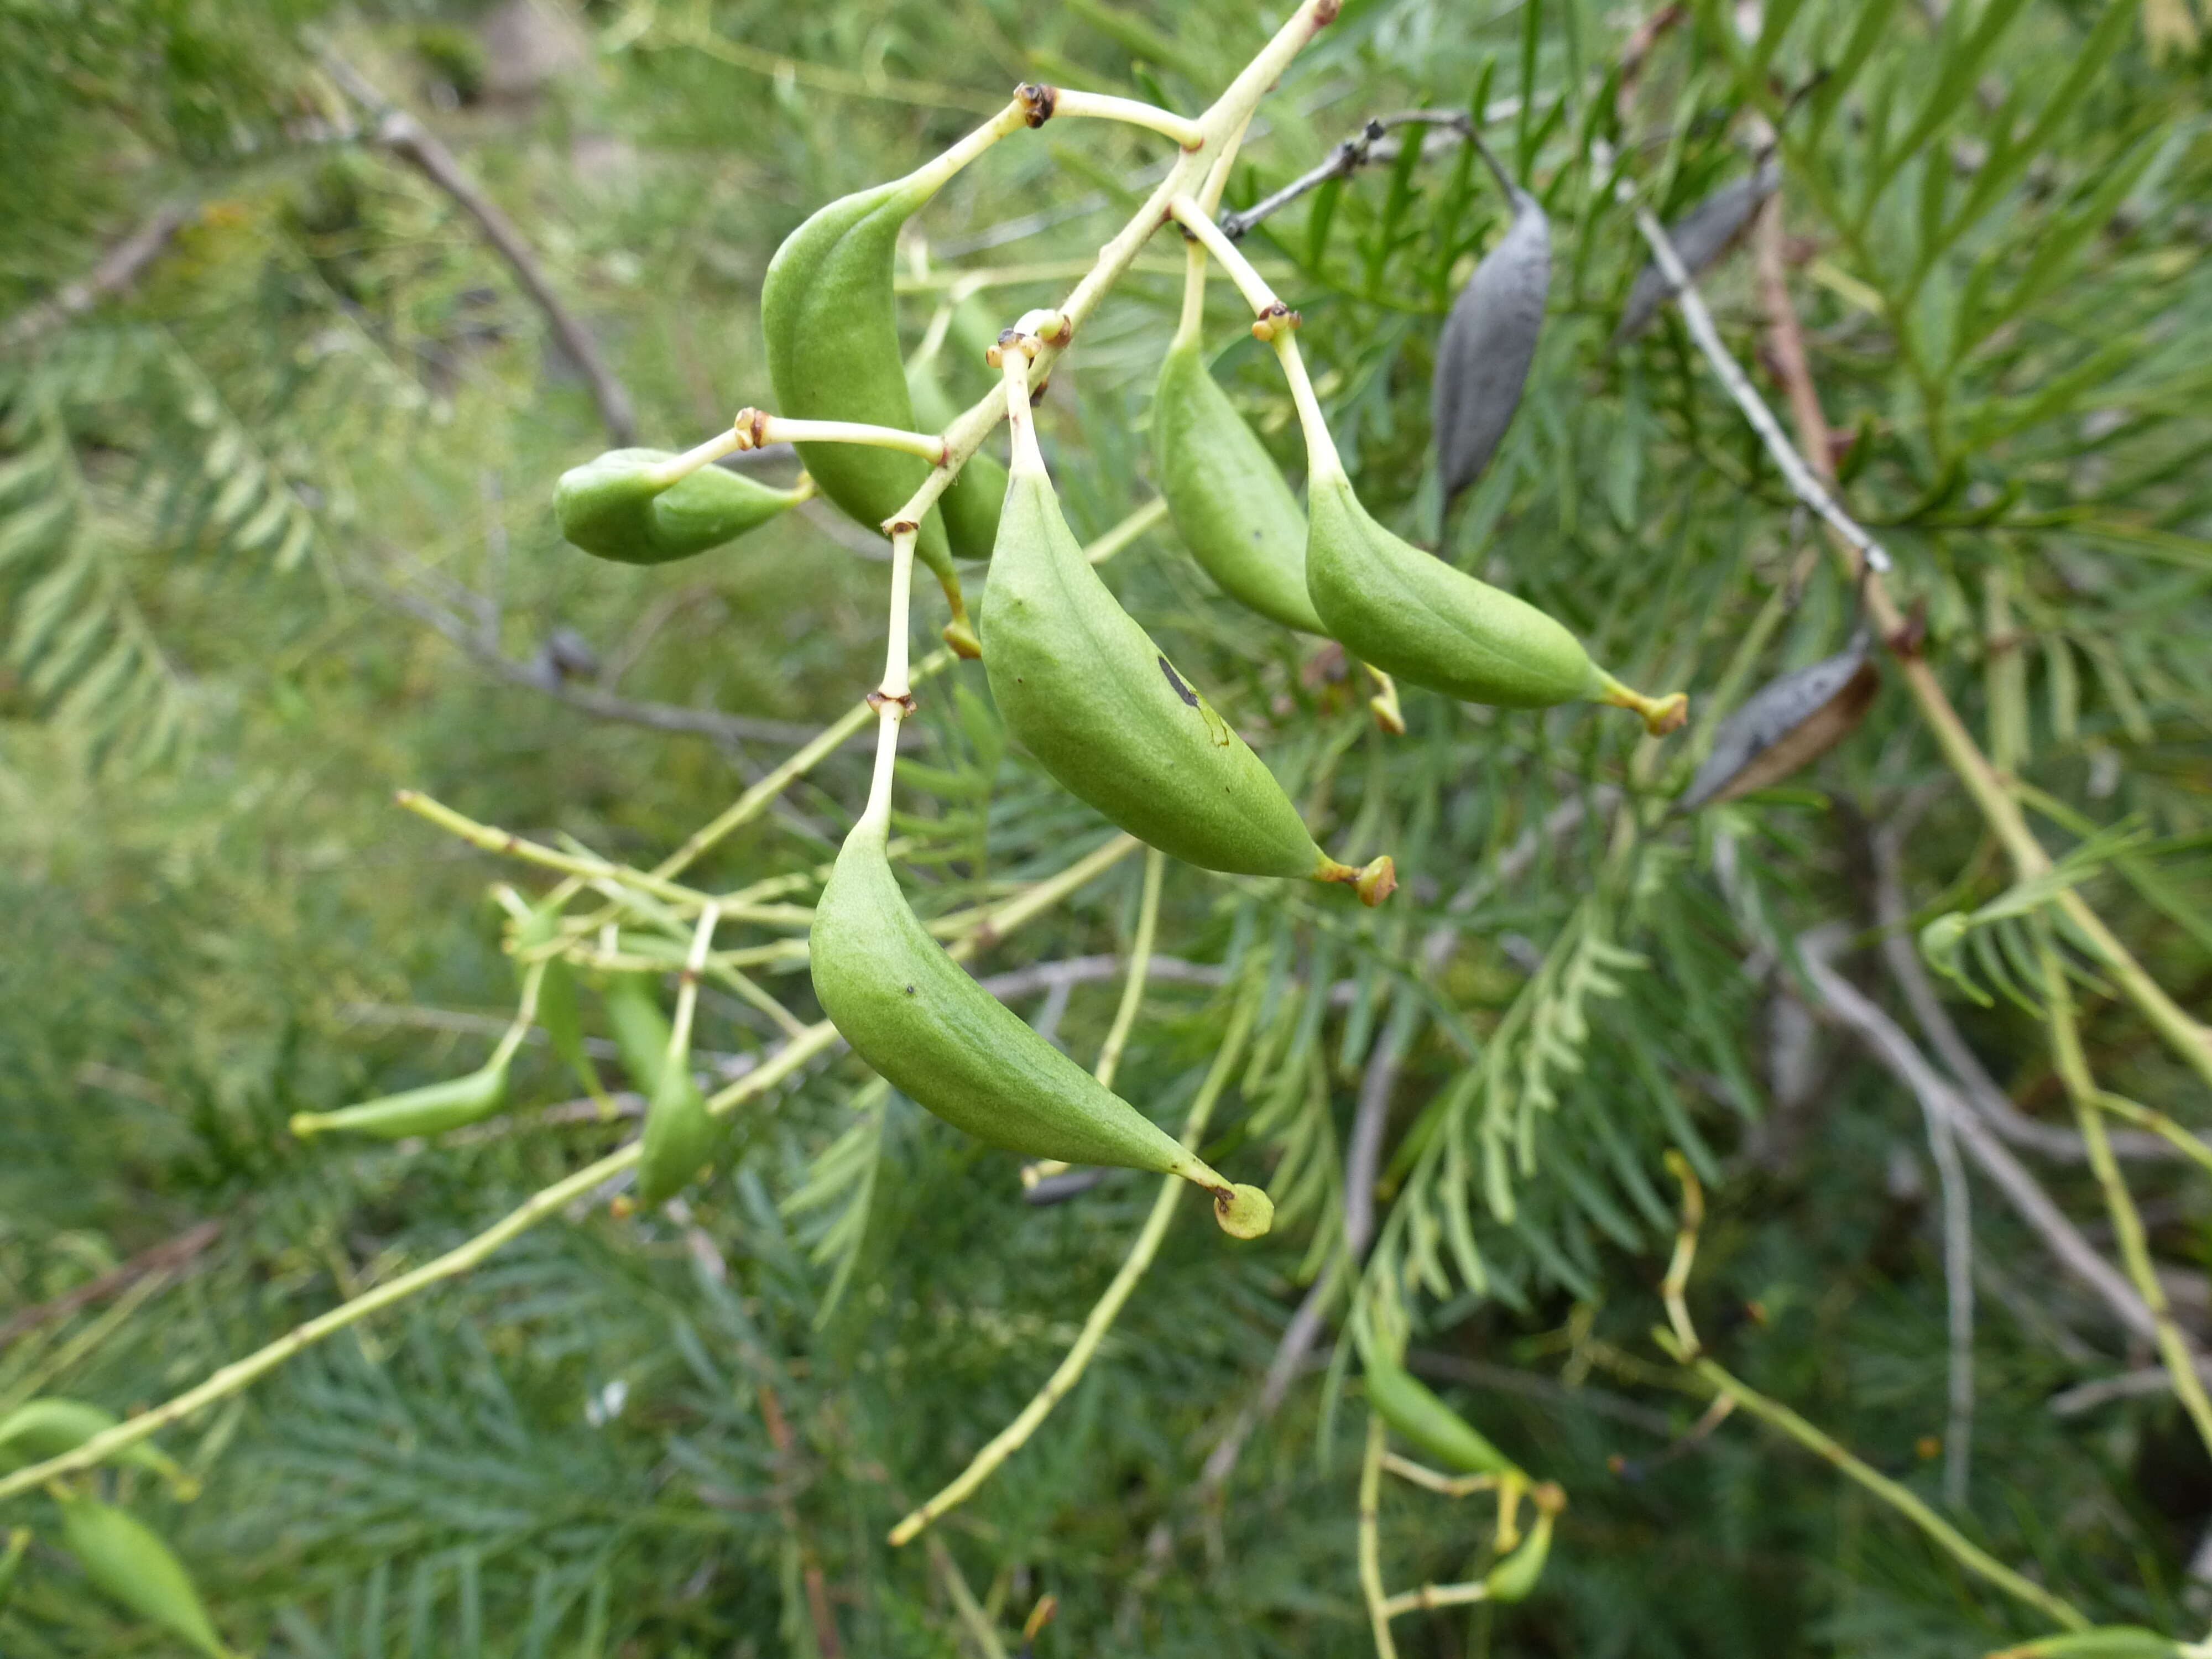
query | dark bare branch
(118,270)
(420,148)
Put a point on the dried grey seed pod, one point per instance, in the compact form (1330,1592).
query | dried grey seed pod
(1487,344)
(1700,236)
(1786,723)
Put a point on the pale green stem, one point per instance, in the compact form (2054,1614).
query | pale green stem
(1193,218)
(761,427)
(1228,114)
(751,804)
(1140,965)
(1016,1434)
(1681,1345)
(2127,1223)
(1448,1485)
(1133,993)
(687,988)
(1430,1597)
(1370,1540)
(240,1373)
(1130,112)
(1122,534)
(1193,320)
(973,1618)
(1974,1560)
(677,468)
(1677,1281)
(1321,458)
(587,868)
(2158,1123)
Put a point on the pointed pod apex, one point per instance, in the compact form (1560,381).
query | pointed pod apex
(1243,1212)
(304,1125)
(961,638)
(1377,882)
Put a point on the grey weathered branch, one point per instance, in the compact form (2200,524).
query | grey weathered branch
(118,269)
(727,729)
(1886,1041)
(1803,483)
(1902,958)
(163,1258)
(1368,147)
(420,148)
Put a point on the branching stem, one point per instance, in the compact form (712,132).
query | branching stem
(1370,1540)
(1129,112)
(756,428)
(1016,1434)
(2088,1102)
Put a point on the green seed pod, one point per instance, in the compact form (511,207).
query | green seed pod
(915,1015)
(615,507)
(1406,1404)
(1422,620)
(39,1429)
(1229,501)
(126,1559)
(559,1010)
(641,1030)
(679,1137)
(830,319)
(1515,1578)
(971,503)
(1084,688)
(428,1110)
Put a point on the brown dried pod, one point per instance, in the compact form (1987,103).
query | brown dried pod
(1700,237)
(1487,344)
(1786,723)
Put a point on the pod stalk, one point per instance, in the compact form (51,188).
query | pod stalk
(1661,714)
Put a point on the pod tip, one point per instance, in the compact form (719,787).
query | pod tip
(1377,882)
(305,1124)
(1243,1212)
(1374,882)
(1666,714)
(961,638)
(1660,714)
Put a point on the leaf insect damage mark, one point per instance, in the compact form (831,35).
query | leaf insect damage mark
(1175,680)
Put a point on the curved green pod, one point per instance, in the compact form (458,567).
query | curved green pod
(679,1137)
(428,1110)
(830,319)
(1087,692)
(127,1560)
(640,1030)
(915,1016)
(1408,1405)
(615,507)
(1514,1578)
(1228,500)
(971,502)
(53,1427)
(1420,619)
(560,1011)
